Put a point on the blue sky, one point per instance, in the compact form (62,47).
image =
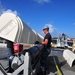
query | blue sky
(59,15)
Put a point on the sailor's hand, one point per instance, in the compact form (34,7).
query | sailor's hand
(37,42)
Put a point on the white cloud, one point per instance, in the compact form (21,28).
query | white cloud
(2,10)
(43,1)
(51,28)
(10,11)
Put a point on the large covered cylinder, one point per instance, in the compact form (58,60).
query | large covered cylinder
(69,57)
(35,52)
(14,29)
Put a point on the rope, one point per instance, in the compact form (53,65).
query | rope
(58,70)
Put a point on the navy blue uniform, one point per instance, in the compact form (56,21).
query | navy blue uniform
(9,44)
(46,51)
(9,49)
(48,36)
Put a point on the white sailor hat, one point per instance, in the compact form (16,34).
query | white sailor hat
(46,27)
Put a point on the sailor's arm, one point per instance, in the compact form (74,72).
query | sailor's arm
(44,42)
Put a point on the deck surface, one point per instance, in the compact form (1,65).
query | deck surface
(51,68)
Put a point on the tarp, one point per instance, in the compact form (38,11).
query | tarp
(14,29)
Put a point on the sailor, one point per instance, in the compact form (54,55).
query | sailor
(9,49)
(47,48)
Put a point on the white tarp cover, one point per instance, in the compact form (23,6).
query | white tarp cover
(69,57)
(9,26)
(14,29)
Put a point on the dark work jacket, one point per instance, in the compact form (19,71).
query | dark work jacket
(9,44)
(48,36)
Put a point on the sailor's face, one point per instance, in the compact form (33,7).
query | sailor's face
(44,31)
